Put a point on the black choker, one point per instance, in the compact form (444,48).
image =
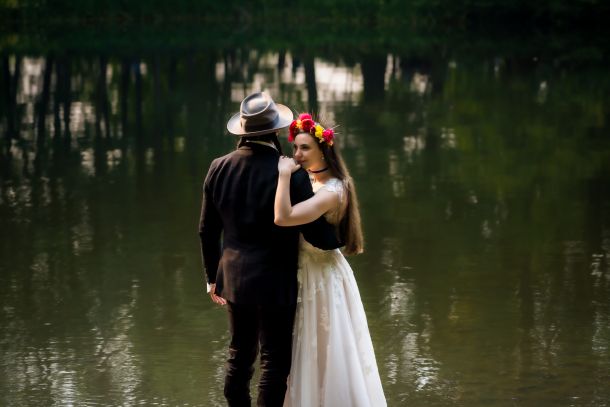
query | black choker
(318,171)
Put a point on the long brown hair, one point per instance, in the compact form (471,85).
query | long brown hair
(350,228)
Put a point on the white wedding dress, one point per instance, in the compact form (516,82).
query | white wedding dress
(333,362)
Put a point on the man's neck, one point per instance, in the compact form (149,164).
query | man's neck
(264,143)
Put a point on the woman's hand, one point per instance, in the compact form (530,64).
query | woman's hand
(287,165)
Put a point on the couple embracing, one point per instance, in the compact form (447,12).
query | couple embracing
(270,241)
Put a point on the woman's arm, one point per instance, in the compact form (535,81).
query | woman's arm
(303,212)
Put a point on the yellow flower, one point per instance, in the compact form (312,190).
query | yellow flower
(319,131)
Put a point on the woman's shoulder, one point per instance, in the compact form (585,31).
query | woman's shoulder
(333,185)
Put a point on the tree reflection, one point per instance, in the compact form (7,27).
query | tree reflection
(63,95)
(41,114)
(373,73)
(310,80)
(11,86)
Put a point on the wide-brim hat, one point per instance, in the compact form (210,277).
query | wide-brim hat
(259,114)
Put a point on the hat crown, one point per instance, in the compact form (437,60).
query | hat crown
(256,111)
(259,114)
(254,105)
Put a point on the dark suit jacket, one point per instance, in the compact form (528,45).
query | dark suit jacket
(257,261)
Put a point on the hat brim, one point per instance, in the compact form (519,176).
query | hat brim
(284,118)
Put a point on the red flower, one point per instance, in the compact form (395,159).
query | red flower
(304,116)
(292,131)
(307,124)
(328,135)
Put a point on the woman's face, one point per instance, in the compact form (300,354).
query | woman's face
(307,152)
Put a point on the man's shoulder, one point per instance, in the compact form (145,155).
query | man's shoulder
(227,156)
(216,165)
(220,161)
(300,176)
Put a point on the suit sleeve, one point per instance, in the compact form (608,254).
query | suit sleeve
(210,230)
(319,233)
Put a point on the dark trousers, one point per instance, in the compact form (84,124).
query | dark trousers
(271,327)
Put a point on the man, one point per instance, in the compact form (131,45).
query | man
(254,271)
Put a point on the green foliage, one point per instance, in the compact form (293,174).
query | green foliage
(415,12)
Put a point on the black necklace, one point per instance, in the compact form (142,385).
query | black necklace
(318,171)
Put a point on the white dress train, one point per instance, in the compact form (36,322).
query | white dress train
(333,361)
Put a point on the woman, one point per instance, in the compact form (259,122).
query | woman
(333,362)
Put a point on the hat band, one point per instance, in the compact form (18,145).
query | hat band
(258,127)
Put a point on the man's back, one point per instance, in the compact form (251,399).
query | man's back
(259,260)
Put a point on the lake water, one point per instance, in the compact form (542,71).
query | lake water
(484,184)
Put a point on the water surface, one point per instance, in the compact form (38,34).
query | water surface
(484,187)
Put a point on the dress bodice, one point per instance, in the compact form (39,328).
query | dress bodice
(334,215)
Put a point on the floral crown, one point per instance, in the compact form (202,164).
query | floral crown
(306,124)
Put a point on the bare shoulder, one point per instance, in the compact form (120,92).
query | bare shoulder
(327,195)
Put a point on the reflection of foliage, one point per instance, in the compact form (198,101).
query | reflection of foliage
(498,229)
(559,29)
(482,179)
(340,12)
(509,143)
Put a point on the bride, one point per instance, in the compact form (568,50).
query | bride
(333,362)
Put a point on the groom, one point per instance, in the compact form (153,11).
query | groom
(253,271)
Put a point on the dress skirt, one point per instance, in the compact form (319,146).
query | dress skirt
(333,361)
